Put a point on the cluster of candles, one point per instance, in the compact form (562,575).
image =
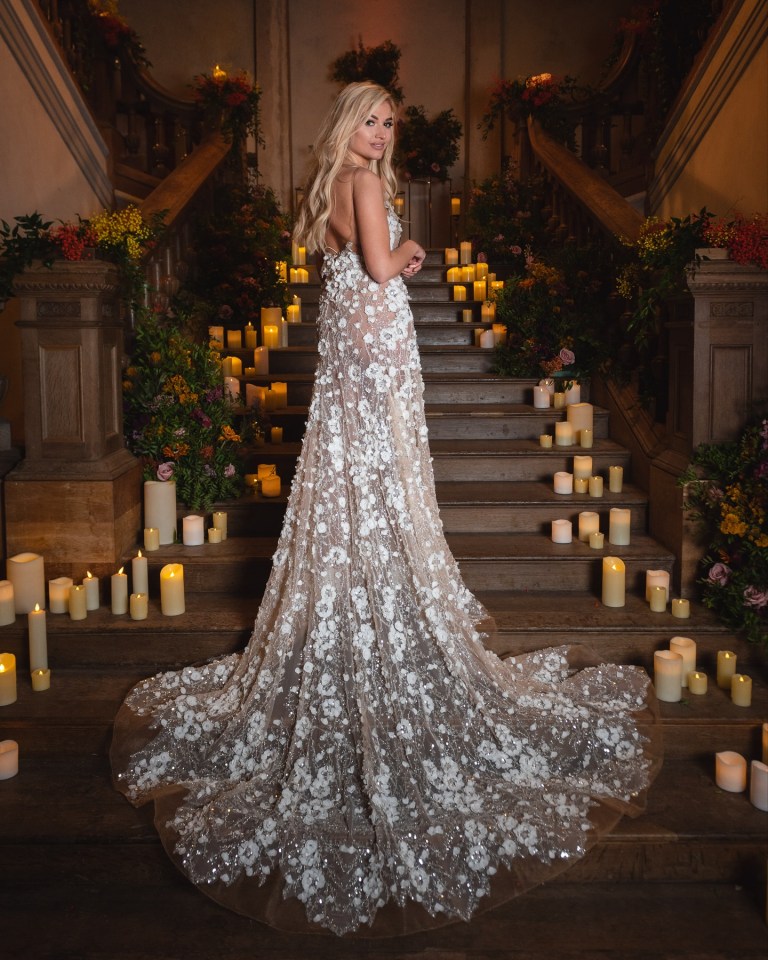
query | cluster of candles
(266,481)
(583,479)
(731,774)
(274,333)
(473,278)
(193,531)
(545,396)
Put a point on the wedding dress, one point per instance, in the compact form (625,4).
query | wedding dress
(365,762)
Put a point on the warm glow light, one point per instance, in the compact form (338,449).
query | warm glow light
(89,575)
(37,608)
(121,570)
(138,554)
(218,73)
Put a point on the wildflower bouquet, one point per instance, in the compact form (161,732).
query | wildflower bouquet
(178,419)
(731,505)
(231,103)
(426,147)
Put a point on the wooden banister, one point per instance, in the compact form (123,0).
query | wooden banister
(173,194)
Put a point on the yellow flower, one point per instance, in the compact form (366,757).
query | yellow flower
(227,433)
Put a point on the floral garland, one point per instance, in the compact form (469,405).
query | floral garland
(543,97)
(229,102)
(426,148)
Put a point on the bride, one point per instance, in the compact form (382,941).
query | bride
(365,763)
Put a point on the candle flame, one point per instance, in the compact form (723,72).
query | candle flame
(120,570)
(138,554)
(37,608)
(89,575)
(2,668)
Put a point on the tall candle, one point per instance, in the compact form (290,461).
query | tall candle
(726,667)
(656,578)
(741,690)
(9,759)
(563,434)
(172,601)
(139,606)
(481,271)
(541,398)
(58,594)
(468,273)
(261,361)
(668,675)
(160,508)
(7,679)
(465,251)
(271,336)
(78,602)
(589,523)
(270,486)
(657,599)
(119,584)
(580,416)
(232,388)
(562,531)
(619,521)
(615,479)
(234,339)
(7,607)
(38,639)
(139,574)
(91,584)
(563,482)
(582,467)
(479,290)
(687,650)
(193,531)
(758,785)
(459,292)
(281,392)
(731,771)
(220,523)
(251,337)
(596,487)
(613,582)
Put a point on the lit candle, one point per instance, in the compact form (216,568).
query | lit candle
(251,337)
(234,340)
(214,535)
(668,675)
(220,522)
(726,668)
(453,275)
(541,398)
(271,338)
(615,479)
(91,585)
(758,785)
(613,582)
(656,578)
(487,340)
(119,585)
(281,392)
(741,690)
(468,273)
(481,271)
(139,606)
(619,521)
(563,482)
(160,508)
(236,366)
(78,602)
(276,434)
(499,332)
(140,574)
(496,287)
(582,467)
(589,523)
(399,205)
(586,438)
(558,401)
(580,485)
(9,759)
(301,256)
(250,372)
(172,589)
(697,683)
(596,487)
(545,441)
(302,275)
(687,650)
(151,538)
(459,292)
(192,530)
(226,367)
(479,290)
(270,486)
(7,679)
(580,416)
(58,594)
(293,313)
(681,608)
(488,313)
(216,337)
(563,434)
(232,388)
(731,771)
(38,639)
(266,470)
(7,607)
(549,383)
(562,531)
(261,361)
(465,251)
(455,206)
(255,396)
(451,256)
(597,541)
(41,680)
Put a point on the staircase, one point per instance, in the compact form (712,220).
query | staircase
(83,874)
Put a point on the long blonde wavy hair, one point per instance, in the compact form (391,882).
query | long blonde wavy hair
(352,106)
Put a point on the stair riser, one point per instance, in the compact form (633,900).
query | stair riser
(427,334)
(526,518)
(474,360)
(532,467)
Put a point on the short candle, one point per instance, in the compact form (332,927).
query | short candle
(192,530)
(697,683)
(151,538)
(9,759)
(681,608)
(558,402)
(668,675)
(41,680)
(563,432)
(563,482)
(586,438)
(545,441)
(758,785)
(541,398)
(597,540)
(580,485)
(741,690)
(214,535)
(596,487)
(731,771)
(615,479)
(270,486)
(139,606)
(7,679)
(562,531)
(58,594)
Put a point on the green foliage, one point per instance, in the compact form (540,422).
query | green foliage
(29,239)
(379,64)
(543,97)
(505,218)
(230,103)
(426,147)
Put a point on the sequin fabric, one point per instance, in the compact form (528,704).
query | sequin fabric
(365,748)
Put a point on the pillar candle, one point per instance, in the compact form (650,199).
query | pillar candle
(459,292)
(657,599)
(573,394)
(139,574)
(726,668)
(668,675)
(58,594)
(216,337)
(92,598)
(618,526)
(613,582)
(487,340)
(234,339)
(276,434)
(453,275)
(7,608)
(580,416)
(9,759)
(589,523)
(265,470)
(271,338)
(558,401)
(697,683)
(741,690)
(499,332)
(681,608)
(281,389)
(495,287)
(139,606)
(488,314)
(214,535)
(731,771)
(302,275)
(468,316)
(119,584)
(479,290)
(220,522)
(586,437)
(78,602)
(41,680)
(541,398)
(293,313)
(615,479)
(151,538)
(582,467)
(236,366)
(563,482)
(232,388)
(250,372)
(562,531)
(481,271)
(270,486)
(261,361)
(160,508)
(596,487)
(758,785)
(193,531)
(545,441)
(226,367)
(301,256)
(38,639)
(549,383)
(580,485)
(251,337)
(451,255)
(172,590)
(26,574)
(687,650)
(597,541)
(468,273)
(765,743)
(563,434)
(656,578)
(255,396)
(465,252)
(7,679)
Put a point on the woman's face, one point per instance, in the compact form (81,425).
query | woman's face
(372,137)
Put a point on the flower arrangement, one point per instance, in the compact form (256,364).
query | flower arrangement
(379,64)
(730,503)
(230,103)
(504,217)
(426,147)
(115,32)
(543,96)
(178,419)
(745,238)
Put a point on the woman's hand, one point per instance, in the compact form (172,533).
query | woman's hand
(414,264)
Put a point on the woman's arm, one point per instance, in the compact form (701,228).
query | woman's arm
(373,232)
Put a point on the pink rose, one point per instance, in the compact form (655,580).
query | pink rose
(165,470)
(719,574)
(755,598)
(229,470)
(567,356)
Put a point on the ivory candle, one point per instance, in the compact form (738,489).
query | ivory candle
(232,388)
(38,639)
(562,531)
(7,679)
(451,255)
(681,608)
(758,785)
(459,292)
(563,482)
(573,394)
(596,487)
(586,438)
(580,485)
(558,401)
(119,584)
(226,367)
(160,508)
(619,521)
(255,396)
(687,650)
(271,336)
(545,441)
(582,467)
(668,675)
(58,594)
(697,683)
(741,690)
(465,252)
(280,389)
(139,606)
(487,340)
(563,434)
(540,398)
(276,434)
(91,584)
(78,602)
(580,416)
(214,535)
(151,538)
(140,574)
(589,523)
(261,361)
(172,590)
(9,759)
(192,530)
(656,578)
(7,608)
(488,314)
(293,313)
(615,479)
(251,337)
(270,486)
(731,771)
(613,582)
(468,316)
(41,680)
(726,668)
(597,541)
(220,522)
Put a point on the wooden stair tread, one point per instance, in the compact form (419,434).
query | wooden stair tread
(522,492)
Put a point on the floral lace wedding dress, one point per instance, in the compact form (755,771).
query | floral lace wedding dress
(365,762)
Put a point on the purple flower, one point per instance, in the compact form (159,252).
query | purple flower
(209,471)
(482,258)
(567,356)
(202,417)
(229,470)
(753,597)
(225,311)
(719,574)
(165,470)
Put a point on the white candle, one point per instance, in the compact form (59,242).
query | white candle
(38,639)
(139,574)
(41,680)
(7,679)
(78,602)
(563,482)
(741,690)
(7,607)
(597,541)
(459,292)
(270,486)
(261,361)
(726,668)
(271,336)
(232,388)
(545,441)
(139,606)
(615,479)
(251,337)
(276,434)
(758,785)
(613,582)
(541,398)
(234,340)
(582,467)
(549,383)
(586,437)
(573,394)
(214,535)
(681,608)
(91,585)
(451,255)
(119,585)
(563,434)
(668,675)
(255,396)
(580,416)
(596,487)
(9,759)
(220,523)
(465,251)
(487,340)
(58,594)
(589,523)
(619,521)
(160,508)
(687,650)
(562,531)
(656,578)
(731,771)
(697,683)
(192,531)
(151,538)
(172,590)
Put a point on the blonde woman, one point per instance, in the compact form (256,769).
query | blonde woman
(365,764)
